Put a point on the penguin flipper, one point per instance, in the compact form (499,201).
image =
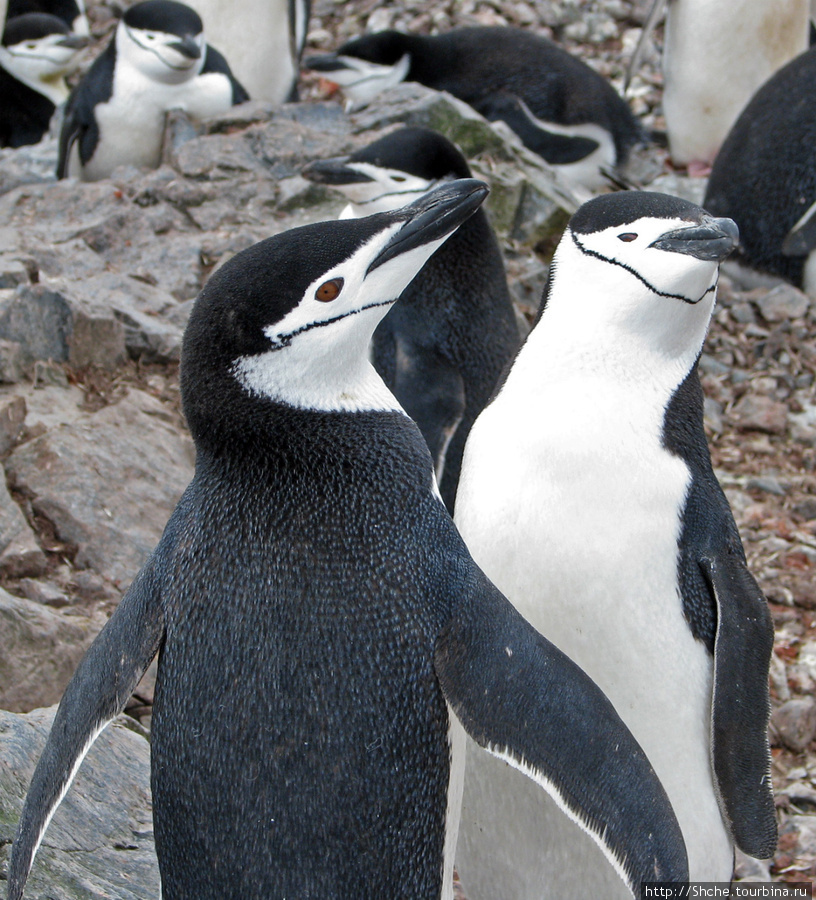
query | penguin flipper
(801,239)
(526,702)
(215,62)
(97,693)
(741,756)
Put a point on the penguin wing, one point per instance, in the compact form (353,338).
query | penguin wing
(740,704)
(97,693)
(523,700)
(215,62)
(801,239)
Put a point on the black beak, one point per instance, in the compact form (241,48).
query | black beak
(333,171)
(711,239)
(74,41)
(187,46)
(433,217)
(328,63)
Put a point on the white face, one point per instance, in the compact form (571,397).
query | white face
(153,54)
(388,190)
(363,80)
(319,355)
(40,60)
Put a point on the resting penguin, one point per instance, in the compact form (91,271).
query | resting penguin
(268,63)
(559,107)
(71,12)
(764,176)
(587,495)
(157,61)
(715,56)
(321,627)
(37,52)
(442,348)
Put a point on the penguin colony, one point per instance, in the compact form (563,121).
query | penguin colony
(336,765)
(315,490)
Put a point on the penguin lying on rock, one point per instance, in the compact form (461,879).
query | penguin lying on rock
(37,53)
(765,176)
(559,107)
(322,630)
(587,495)
(158,61)
(442,348)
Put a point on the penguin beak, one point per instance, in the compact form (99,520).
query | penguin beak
(187,46)
(74,42)
(712,239)
(333,171)
(433,217)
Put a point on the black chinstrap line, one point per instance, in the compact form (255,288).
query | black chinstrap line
(155,52)
(639,277)
(286,340)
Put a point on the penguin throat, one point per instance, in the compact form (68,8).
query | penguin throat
(616,262)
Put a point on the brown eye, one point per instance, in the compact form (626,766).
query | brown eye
(329,290)
(627,236)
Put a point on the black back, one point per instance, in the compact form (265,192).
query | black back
(764,176)
(24,113)
(485,65)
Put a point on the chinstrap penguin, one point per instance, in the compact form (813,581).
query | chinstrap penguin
(765,176)
(322,630)
(37,53)
(715,56)
(587,495)
(268,64)
(157,61)
(441,349)
(71,12)
(559,107)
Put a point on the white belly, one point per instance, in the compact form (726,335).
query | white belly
(716,56)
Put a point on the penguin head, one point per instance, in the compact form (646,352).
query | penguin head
(38,50)
(163,40)
(393,171)
(289,320)
(639,265)
(367,65)
(71,13)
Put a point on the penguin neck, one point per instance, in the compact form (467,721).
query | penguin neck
(53,88)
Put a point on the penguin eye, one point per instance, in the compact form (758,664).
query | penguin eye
(627,236)
(329,290)
(31,46)
(398,178)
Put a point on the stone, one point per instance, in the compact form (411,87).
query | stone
(40,650)
(760,413)
(20,553)
(44,592)
(99,845)
(794,722)
(108,482)
(781,303)
(39,320)
(12,418)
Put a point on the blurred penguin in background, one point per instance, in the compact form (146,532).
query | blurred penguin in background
(72,12)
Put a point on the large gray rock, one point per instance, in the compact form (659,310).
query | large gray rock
(99,845)
(108,482)
(40,649)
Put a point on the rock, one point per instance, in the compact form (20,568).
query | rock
(40,650)
(20,554)
(781,303)
(12,418)
(760,413)
(99,844)
(43,592)
(39,321)
(108,482)
(795,722)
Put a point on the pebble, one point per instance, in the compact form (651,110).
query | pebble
(795,722)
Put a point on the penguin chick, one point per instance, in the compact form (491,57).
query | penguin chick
(587,495)
(442,348)
(157,61)
(559,107)
(323,630)
(37,53)
(765,176)
(71,12)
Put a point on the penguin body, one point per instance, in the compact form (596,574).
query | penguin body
(268,64)
(764,176)
(322,629)
(559,107)
(157,61)
(587,495)
(71,12)
(442,348)
(716,56)
(37,52)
